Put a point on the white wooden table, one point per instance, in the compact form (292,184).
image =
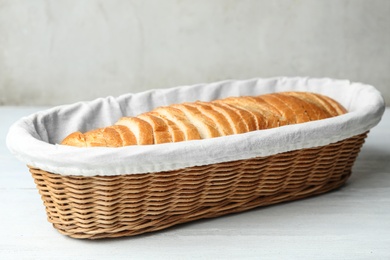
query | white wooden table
(350,223)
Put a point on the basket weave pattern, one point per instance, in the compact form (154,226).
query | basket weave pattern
(131,204)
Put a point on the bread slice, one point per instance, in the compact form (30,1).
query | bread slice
(75,139)
(331,106)
(127,136)
(142,130)
(295,106)
(179,118)
(205,126)
(313,108)
(248,118)
(238,121)
(248,105)
(279,108)
(222,124)
(113,136)
(270,112)
(177,134)
(160,128)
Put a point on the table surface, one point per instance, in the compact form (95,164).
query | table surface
(350,223)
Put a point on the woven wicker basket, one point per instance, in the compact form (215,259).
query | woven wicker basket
(125,205)
(101,192)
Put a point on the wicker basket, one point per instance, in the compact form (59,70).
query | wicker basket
(126,205)
(104,192)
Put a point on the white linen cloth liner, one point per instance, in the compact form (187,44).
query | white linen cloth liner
(34,139)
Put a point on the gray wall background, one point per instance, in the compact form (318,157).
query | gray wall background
(57,52)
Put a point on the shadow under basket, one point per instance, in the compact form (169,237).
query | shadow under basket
(131,204)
